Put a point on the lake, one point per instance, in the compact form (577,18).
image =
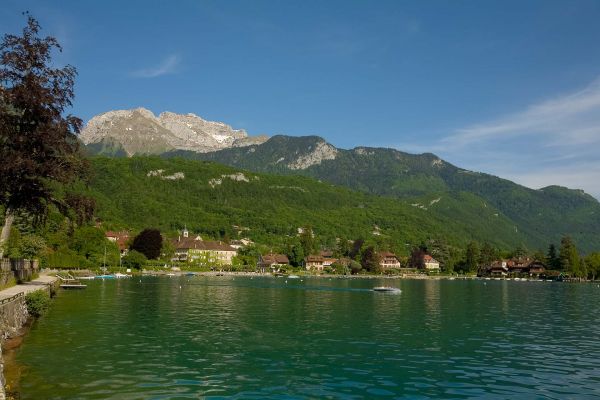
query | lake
(278,338)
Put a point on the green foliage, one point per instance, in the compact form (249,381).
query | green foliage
(569,257)
(37,302)
(552,259)
(472,257)
(32,246)
(134,259)
(593,265)
(497,210)
(370,260)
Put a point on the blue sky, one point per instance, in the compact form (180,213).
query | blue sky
(510,88)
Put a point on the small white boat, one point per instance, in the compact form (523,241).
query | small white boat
(119,275)
(293,277)
(386,289)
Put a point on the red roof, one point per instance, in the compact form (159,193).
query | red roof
(270,259)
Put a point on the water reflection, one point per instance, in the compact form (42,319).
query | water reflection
(264,338)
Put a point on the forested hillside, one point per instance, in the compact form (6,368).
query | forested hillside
(540,215)
(213,199)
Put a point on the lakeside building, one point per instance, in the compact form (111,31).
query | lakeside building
(272,262)
(514,267)
(430,263)
(320,261)
(388,260)
(120,238)
(195,249)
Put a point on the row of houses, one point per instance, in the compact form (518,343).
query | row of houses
(523,266)
(387,261)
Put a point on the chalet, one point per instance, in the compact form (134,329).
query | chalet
(430,263)
(272,262)
(536,269)
(388,260)
(314,262)
(498,269)
(120,238)
(195,249)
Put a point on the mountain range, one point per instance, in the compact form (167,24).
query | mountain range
(424,181)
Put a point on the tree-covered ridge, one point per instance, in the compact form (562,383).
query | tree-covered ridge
(543,215)
(217,200)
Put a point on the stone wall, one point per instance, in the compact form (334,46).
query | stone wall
(22,270)
(13,316)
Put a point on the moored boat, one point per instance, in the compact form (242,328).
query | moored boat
(389,289)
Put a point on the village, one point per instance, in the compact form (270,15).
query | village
(192,250)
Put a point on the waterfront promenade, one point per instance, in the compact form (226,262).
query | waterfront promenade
(39,283)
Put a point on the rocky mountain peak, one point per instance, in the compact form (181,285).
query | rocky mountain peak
(139,131)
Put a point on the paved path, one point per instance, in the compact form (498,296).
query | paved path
(27,287)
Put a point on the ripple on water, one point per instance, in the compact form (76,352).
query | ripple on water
(258,338)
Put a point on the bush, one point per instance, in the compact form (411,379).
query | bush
(37,302)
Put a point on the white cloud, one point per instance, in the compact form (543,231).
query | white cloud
(553,142)
(167,66)
(570,119)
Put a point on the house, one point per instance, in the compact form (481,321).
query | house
(272,262)
(388,260)
(195,249)
(430,263)
(314,262)
(498,268)
(120,238)
(536,269)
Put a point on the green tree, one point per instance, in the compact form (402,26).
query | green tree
(356,249)
(552,259)
(149,243)
(297,255)
(134,259)
(355,267)
(472,257)
(593,264)
(569,256)
(488,254)
(370,260)
(307,240)
(38,147)
(32,245)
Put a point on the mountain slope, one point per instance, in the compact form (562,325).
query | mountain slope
(171,193)
(543,215)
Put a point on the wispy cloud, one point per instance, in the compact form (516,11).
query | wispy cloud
(555,141)
(168,66)
(569,119)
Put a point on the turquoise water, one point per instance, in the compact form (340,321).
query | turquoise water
(265,338)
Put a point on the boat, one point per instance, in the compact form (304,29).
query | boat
(119,275)
(293,277)
(190,274)
(388,289)
(105,276)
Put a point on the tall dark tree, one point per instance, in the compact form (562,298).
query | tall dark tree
(552,259)
(148,242)
(307,240)
(487,254)
(417,258)
(472,257)
(569,257)
(38,146)
(370,260)
(356,248)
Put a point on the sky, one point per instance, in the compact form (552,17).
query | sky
(511,88)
